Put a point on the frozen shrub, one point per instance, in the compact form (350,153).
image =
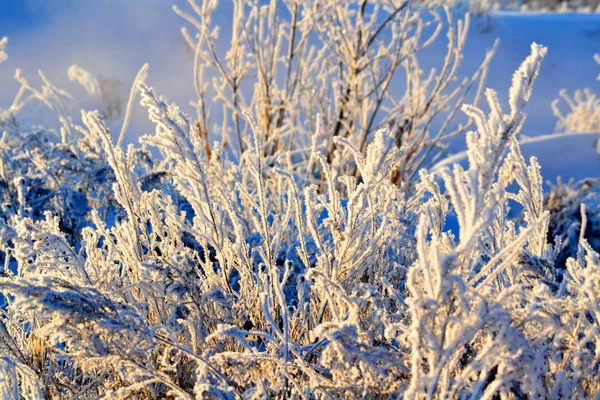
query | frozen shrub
(563,202)
(107,92)
(583,115)
(584,110)
(299,65)
(291,262)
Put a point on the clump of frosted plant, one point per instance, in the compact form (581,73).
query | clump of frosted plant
(382,157)
(563,202)
(270,264)
(106,93)
(286,52)
(583,110)
(18,380)
(463,335)
(474,191)
(3,55)
(85,79)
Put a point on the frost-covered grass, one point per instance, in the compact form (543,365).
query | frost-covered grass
(299,247)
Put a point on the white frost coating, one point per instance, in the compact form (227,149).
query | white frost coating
(583,110)
(85,79)
(306,253)
(3,55)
